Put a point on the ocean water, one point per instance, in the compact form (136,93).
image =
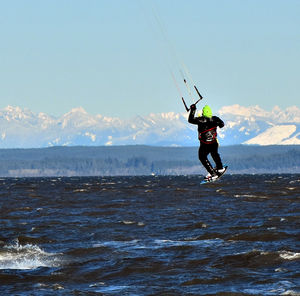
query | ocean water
(150,236)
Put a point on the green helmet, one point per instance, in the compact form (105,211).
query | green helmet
(206,111)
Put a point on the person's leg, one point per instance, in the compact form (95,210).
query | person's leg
(216,156)
(202,153)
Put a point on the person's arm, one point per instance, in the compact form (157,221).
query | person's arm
(220,122)
(192,115)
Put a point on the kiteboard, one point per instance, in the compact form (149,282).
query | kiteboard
(205,181)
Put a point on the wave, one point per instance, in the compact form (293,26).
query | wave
(28,256)
(256,258)
(289,255)
(158,243)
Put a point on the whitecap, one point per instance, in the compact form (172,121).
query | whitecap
(289,255)
(80,190)
(16,256)
(290,293)
(249,196)
(117,244)
(128,222)
(172,243)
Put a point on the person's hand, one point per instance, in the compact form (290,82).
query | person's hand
(193,107)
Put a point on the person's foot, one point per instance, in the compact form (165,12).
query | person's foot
(220,171)
(211,177)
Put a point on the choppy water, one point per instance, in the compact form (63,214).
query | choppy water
(150,236)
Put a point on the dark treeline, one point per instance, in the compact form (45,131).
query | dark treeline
(143,160)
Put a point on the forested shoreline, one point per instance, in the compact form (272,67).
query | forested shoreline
(143,160)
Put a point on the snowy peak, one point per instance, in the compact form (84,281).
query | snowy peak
(290,114)
(237,110)
(15,113)
(77,118)
(278,134)
(76,111)
(243,125)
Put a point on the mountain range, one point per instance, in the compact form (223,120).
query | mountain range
(22,128)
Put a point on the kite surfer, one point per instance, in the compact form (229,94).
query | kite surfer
(207,134)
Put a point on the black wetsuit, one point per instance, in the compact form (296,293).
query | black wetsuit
(207,133)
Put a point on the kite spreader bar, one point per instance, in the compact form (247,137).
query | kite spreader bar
(186,107)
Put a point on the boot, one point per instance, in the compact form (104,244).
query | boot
(219,172)
(211,176)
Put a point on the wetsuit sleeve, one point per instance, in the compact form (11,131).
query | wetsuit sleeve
(220,122)
(192,118)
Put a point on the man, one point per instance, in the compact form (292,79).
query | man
(207,134)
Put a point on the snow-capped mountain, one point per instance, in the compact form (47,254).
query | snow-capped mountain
(22,128)
(256,126)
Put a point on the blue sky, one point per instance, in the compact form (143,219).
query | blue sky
(110,56)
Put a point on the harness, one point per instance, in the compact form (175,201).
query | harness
(214,136)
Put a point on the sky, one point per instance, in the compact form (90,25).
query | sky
(118,58)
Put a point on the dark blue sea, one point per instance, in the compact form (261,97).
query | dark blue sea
(164,235)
